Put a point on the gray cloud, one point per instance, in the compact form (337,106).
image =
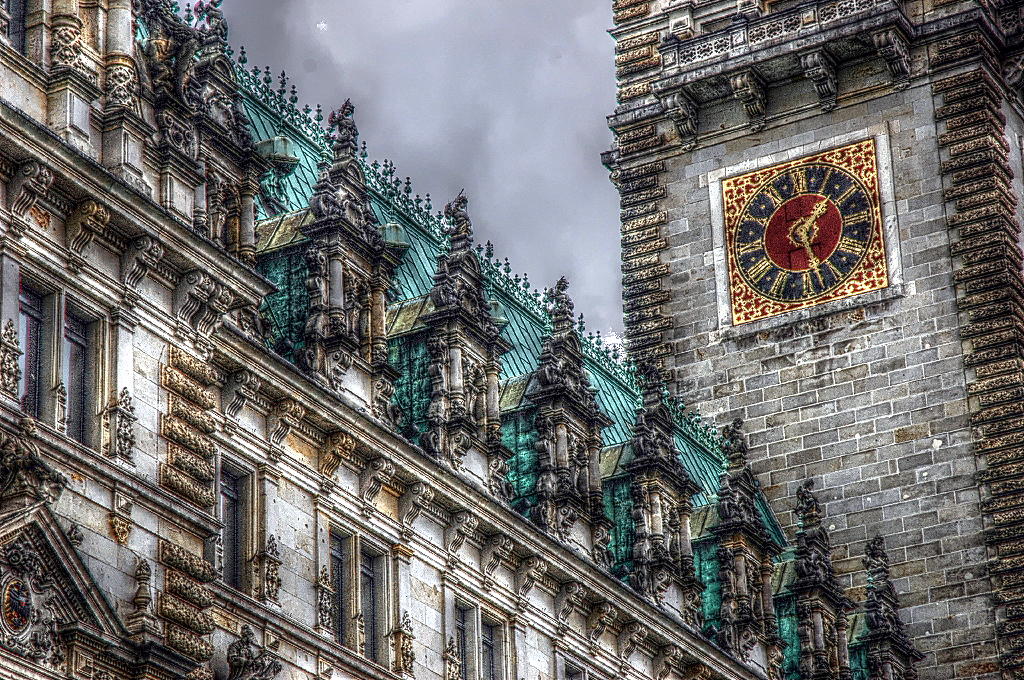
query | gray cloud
(506,100)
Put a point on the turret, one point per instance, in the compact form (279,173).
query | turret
(350,266)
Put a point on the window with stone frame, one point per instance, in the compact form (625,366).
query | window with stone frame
(234,512)
(60,343)
(360,579)
(75,361)
(33,336)
(570,669)
(480,642)
(338,581)
(12,22)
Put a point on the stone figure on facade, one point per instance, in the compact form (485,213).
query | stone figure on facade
(248,661)
(23,472)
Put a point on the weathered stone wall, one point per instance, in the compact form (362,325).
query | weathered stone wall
(867,396)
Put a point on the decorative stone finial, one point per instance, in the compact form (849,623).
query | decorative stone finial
(807,508)
(343,131)
(734,445)
(461,229)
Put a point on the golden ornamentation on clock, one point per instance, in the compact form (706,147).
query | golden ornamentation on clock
(804,232)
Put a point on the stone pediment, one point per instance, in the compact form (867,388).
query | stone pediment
(51,611)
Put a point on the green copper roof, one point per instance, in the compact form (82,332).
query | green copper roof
(280,255)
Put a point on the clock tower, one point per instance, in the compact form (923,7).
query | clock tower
(820,235)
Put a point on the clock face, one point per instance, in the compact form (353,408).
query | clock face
(804,232)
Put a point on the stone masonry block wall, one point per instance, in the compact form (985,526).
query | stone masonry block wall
(868,397)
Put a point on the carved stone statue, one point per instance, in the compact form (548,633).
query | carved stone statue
(344,134)
(23,473)
(248,661)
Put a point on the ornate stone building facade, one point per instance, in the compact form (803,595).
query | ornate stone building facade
(821,236)
(265,414)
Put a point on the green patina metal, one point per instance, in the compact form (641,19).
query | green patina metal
(859,663)
(412,388)
(518,435)
(618,506)
(523,308)
(785,613)
(288,307)
(705,563)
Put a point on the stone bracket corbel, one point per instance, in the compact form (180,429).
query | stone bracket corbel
(417,496)
(748,87)
(200,303)
(892,47)
(498,547)
(566,601)
(375,474)
(87,219)
(462,526)
(531,570)
(682,110)
(30,182)
(820,69)
(240,389)
(138,259)
(630,637)
(668,658)
(285,416)
(338,447)
(601,616)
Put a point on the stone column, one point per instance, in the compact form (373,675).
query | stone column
(200,219)
(594,473)
(561,447)
(247,219)
(121,78)
(379,343)
(456,387)
(336,286)
(493,392)
(685,545)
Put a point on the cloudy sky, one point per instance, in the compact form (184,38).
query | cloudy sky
(505,99)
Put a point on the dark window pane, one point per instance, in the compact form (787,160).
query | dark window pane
(461,640)
(338,583)
(31,338)
(488,652)
(368,589)
(16,29)
(231,506)
(76,364)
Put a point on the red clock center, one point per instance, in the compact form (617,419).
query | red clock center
(803,232)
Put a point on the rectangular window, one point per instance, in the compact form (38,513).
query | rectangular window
(233,516)
(489,651)
(16,26)
(75,366)
(31,336)
(462,640)
(369,583)
(338,584)
(574,673)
